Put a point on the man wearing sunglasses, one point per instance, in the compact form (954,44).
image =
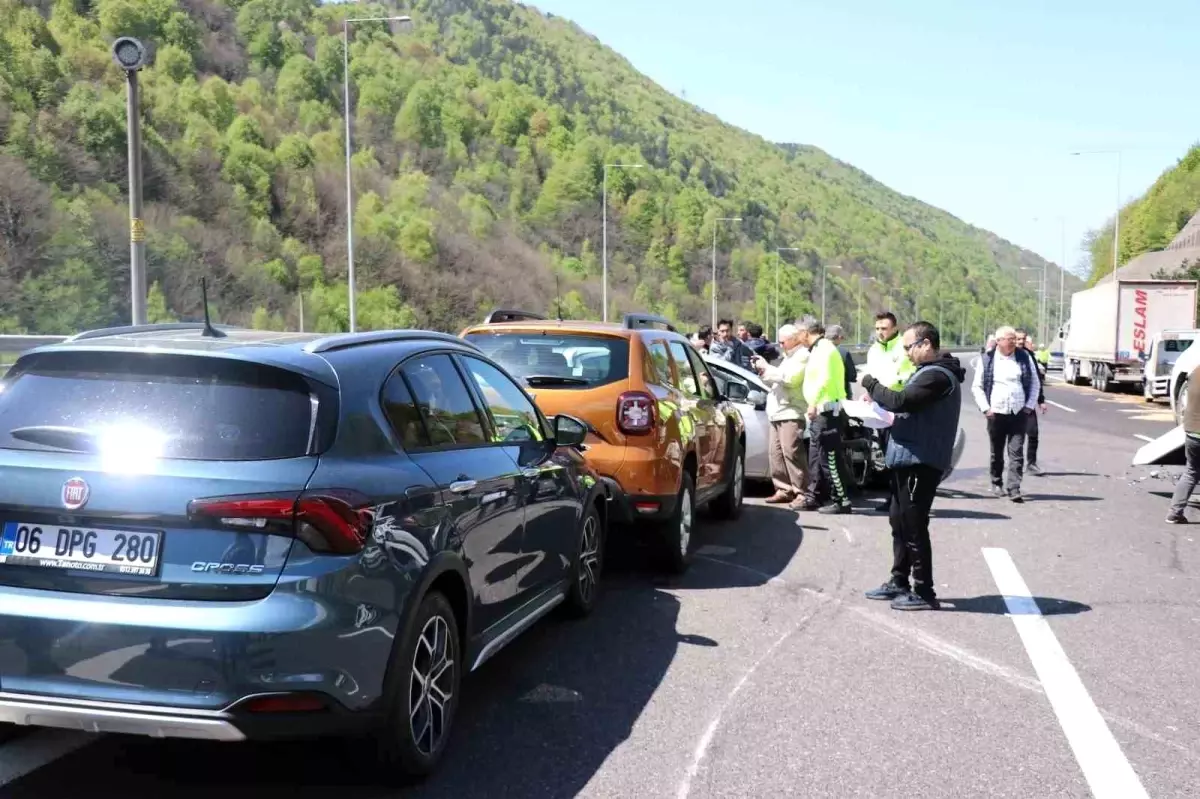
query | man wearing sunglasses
(920,450)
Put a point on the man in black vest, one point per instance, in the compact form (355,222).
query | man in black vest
(1032,435)
(1006,389)
(920,450)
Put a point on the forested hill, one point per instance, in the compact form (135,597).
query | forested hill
(1150,222)
(480,139)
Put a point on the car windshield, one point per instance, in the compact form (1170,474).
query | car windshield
(186,406)
(557,361)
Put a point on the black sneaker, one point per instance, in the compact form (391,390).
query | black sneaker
(888,591)
(913,601)
(1033,468)
(998,490)
(1176,517)
(834,509)
(1016,496)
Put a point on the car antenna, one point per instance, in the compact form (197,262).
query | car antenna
(557,298)
(209,330)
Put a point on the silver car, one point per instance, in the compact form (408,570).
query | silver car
(753,410)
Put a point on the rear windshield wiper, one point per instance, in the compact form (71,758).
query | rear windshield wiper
(70,439)
(555,380)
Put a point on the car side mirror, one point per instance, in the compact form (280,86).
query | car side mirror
(758,399)
(569,431)
(737,392)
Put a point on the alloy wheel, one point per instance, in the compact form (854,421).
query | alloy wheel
(431,686)
(589,559)
(685,522)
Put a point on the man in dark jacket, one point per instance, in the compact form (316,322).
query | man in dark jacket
(920,450)
(759,345)
(1031,433)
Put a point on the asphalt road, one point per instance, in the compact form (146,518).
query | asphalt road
(764,672)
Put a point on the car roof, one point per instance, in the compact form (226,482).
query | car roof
(300,352)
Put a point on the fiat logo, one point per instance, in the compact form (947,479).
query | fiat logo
(75,493)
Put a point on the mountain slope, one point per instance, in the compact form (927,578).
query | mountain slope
(480,142)
(1151,222)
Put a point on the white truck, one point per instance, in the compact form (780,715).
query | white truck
(1165,351)
(1111,326)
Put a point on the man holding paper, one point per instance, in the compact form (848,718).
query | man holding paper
(920,450)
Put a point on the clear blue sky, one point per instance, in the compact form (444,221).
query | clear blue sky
(970,105)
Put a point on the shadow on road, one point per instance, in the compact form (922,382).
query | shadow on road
(993,605)
(539,719)
(960,513)
(1061,498)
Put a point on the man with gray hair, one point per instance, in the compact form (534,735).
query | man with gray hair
(785,412)
(1005,388)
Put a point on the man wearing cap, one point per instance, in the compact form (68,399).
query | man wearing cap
(785,411)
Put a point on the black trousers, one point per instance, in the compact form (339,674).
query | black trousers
(1031,440)
(1007,434)
(827,475)
(913,489)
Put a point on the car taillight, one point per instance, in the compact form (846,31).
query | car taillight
(284,703)
(635,413)
(335,521)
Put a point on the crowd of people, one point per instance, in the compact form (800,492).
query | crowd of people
(810,375)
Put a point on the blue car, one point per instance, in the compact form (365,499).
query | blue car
(232,534)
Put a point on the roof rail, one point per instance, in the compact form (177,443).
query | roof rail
(636,321)
(131,329)
(341,341)
(504,315)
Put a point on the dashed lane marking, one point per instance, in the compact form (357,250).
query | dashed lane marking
(1104,765)
(1147,439)
(1060,407)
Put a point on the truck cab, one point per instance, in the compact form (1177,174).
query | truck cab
(1164,352)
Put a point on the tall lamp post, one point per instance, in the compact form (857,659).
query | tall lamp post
(778,257)
(604,212)
(130,55)
(824,281)
(1042,310)
(862,282)
(346,23)
(714,260)
(1117,215)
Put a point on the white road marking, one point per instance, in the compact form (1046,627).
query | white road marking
(42,747)
(1147,439)
(939,646)
(1061,407)
(1104,765)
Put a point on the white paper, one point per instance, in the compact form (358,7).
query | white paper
(872,414)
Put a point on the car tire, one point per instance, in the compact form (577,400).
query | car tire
(676,533)
(428,666)
(587,567)
(729,504)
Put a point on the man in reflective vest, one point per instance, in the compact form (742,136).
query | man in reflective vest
(887,363)
(824,390)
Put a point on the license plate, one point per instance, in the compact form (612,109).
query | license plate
(81,548)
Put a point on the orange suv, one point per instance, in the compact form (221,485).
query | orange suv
(661,435)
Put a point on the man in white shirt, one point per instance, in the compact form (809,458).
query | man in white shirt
(1006,390)
(785,411)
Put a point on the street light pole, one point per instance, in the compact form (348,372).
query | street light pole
(130,55)
(349,182)
(1062,272)
(604,212)
(824,281)
(778,258)
(714,263)
(862,282)
(1117,215)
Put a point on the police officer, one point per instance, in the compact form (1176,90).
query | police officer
(824,389)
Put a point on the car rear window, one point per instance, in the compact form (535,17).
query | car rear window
(557,361)
(189,407)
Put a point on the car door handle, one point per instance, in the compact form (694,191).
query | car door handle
(462,486)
